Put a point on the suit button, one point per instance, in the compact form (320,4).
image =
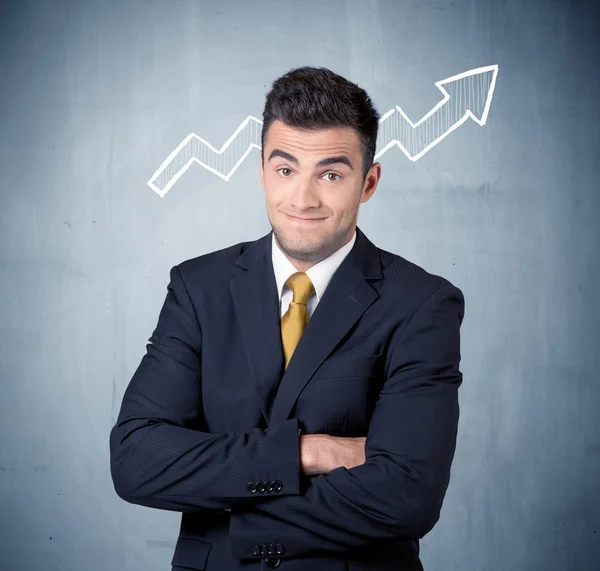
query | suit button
(271,548)
(269,486)
(251,487)
(279,548)
(277,485)
(260,487)
(256,550)
(264,550)
(272,562)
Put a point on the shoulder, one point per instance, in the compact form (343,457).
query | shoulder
(212,266)
(407,281)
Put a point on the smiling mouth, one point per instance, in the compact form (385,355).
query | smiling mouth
(305,219)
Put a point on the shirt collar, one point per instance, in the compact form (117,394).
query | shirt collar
(320,274)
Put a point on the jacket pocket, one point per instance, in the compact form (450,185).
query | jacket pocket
(355,366)
(190,553)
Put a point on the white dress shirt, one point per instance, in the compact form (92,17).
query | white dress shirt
(320,274)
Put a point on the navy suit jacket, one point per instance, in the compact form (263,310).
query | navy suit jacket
(210,419)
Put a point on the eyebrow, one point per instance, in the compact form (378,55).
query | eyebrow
(322,163)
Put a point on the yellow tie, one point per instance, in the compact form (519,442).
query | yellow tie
(296,317)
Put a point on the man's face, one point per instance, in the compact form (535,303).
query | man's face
(314,186)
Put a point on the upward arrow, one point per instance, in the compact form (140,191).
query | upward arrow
(467,94)
(223,162)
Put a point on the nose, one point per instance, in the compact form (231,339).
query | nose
(303,195)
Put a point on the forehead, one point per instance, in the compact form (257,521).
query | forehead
(330,140)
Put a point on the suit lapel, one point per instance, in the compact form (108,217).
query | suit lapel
(256,303)
(348,295)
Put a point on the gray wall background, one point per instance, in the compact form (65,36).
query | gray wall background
(95,95)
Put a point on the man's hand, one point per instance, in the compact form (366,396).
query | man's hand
(321,453)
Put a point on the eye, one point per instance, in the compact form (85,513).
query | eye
(330,174)
(289,171)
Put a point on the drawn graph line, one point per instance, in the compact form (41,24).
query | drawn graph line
(466,95)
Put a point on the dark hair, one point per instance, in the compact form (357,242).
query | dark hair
(317,98)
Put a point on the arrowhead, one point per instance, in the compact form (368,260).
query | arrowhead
(471,91)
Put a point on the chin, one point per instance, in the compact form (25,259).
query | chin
(304,247)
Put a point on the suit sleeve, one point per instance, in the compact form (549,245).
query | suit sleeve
(159,455)
(399,490)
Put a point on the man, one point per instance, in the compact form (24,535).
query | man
(298,401)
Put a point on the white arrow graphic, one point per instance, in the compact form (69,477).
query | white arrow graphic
(467,94)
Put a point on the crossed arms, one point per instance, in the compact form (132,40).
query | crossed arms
(160,459)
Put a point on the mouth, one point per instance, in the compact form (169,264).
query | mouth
(304,220)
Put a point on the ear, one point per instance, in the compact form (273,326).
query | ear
(371,182)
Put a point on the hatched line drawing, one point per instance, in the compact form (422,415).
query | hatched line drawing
(467,95)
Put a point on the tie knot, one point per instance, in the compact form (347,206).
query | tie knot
(301,286)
